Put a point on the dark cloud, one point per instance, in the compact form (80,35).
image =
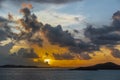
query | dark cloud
(5,32)
(19,2)
(2,35)
(55,1)
(2,19)
(106,34)
(65,56)
(102,36)
(57,36)
(5,29)
(32,26)
(26,53)
(76,31)
(47,1)
(38,41)
(116,15)
(5,50)
(115,53)
(26,13)
(85,56)
(30,38)
(116,20)
(83,47)
(29,21)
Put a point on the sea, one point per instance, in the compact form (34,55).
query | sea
(56,74)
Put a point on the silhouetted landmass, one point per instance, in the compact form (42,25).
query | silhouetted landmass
(105,66)
(24,66)
(37,67)
(18,66)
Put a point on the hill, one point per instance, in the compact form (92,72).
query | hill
(105,66)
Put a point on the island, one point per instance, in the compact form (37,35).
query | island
(18,66)
(104,66)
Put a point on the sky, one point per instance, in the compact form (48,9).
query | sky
(64,33)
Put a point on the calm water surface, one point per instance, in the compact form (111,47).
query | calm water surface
(48,74)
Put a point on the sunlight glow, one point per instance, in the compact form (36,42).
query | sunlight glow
(48,61)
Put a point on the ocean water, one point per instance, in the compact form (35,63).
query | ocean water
(52,74)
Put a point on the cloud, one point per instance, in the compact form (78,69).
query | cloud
(82,47)
(2,19)
(26,53)
(54,18)
(3,35)
(115,53)
(18,45)
(116,15)
(102,36)
(85,56)
(46,1)
(106,34)
(56,1)
(18,3)
(76,31)
(65,56)
(34,32)
(30,28)
(5,42)
(56,35)
(5,50)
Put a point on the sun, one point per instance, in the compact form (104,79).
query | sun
(48,61)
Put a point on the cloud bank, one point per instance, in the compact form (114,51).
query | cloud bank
(33,32)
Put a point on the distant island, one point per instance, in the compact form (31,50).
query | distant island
(22,66)
(105,66)
(25,66)
(18,66)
